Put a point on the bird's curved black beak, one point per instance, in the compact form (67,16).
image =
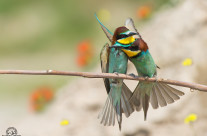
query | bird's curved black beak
(116,46)
(120,46)
(132,33)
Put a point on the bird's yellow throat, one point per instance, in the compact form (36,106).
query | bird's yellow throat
(131,53)
(127,40)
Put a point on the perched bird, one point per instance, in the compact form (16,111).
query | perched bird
(158,94)
(114,61)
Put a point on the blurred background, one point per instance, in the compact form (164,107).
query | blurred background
(64,35)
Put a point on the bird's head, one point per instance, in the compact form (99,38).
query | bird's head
(123,36)
(134,49)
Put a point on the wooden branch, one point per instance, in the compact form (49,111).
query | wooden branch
(106,75)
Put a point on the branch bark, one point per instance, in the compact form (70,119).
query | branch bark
(106,75)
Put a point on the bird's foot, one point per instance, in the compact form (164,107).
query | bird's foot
(146,77)
(156,78)
(132,75)
(116,73)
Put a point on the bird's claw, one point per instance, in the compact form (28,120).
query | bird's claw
(156,79)
(116,73)
(132,75)
(146,77)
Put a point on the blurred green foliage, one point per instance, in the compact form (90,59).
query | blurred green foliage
(43,34)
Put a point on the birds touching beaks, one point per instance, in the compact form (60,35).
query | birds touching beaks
(127,43)
(158,94)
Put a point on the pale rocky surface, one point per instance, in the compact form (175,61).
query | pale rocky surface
(172,35)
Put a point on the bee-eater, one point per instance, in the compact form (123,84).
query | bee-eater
(114,61)
(138,53)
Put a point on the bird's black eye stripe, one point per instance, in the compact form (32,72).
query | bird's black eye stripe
(132,48)
(121,36)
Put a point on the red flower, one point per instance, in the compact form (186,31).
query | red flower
(40,98)
(143,12)
(84,52)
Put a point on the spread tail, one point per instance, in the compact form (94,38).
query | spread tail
(158,94)
(163,94)
(111,111)
(127,107)
(141,97)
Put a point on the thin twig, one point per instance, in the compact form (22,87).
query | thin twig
(106,75)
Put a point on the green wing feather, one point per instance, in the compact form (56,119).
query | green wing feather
(104,57)
(108,33)
(129,23)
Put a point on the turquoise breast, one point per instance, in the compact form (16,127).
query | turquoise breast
(144,64)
